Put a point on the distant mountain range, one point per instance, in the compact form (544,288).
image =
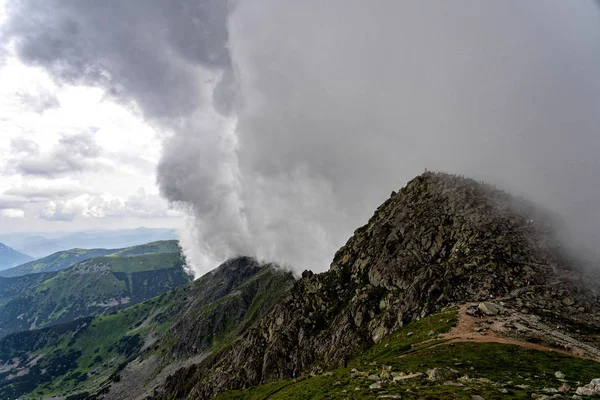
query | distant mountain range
(40,245)
(90,287)
(65,259)
(9,257)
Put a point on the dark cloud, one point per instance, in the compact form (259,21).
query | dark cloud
(72,154)
(149,51)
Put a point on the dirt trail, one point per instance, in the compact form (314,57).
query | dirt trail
(463,332)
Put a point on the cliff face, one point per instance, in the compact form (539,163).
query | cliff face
(441,240)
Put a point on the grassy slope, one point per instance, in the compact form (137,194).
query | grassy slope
(505,366)
(65,259)
(94,355)
(69,295)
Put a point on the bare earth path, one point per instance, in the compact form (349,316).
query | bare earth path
(464,332)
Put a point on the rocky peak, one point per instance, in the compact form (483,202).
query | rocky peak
(441,240)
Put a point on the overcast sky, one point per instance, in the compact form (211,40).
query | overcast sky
(277,127)
(71,157)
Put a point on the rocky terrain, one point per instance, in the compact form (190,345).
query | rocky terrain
(442,240)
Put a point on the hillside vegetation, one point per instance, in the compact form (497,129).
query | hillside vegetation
(65,259)
(92,287)
(132,350)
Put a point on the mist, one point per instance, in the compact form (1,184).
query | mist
(288,123)
(339,103)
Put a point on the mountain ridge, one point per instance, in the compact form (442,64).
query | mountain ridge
(10,257)
(441,240)
(90,287)
(65,259)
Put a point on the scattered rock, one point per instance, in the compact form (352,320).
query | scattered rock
(476,397)
(375,385)
(488,308)
(410,333)
(434,374)
(389,396)
(409,377)
(559,375)
(374,377)
(590,389)
(587,390)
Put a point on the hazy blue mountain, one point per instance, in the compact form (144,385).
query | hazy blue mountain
(9,257)
(41,245)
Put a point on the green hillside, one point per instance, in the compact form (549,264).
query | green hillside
(65,259)
(92,287)
(11,287)
(97,355)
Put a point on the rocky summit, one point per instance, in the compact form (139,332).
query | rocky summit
(441,241)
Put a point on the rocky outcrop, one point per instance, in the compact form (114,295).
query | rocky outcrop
(441,240)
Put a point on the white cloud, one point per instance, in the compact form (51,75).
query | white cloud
(12,213)
(70,153)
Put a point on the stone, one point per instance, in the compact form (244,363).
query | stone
(567,301)
(410,333)
(587,390)
(564,388)
(559,375)
(389,396)
(489,309)
(434,374)
(375,385)
(409,377)
(374,377)
(476,397)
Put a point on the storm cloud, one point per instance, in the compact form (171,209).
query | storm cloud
(289,122)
